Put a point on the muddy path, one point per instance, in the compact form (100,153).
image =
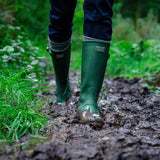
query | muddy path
(131,131)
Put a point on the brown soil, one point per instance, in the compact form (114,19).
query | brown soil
(131,131)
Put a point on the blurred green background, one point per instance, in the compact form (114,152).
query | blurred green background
(135,41)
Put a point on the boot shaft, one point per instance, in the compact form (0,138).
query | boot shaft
(61,62)
(94,60)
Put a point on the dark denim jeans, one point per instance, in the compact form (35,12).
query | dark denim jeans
(97,19)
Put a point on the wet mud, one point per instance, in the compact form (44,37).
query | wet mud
(131,131)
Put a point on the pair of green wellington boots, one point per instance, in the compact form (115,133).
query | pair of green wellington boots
(94,60)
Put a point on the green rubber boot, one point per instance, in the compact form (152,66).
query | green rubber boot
(94,60)
(61,61)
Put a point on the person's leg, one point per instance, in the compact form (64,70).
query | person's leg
(60,30)
(95,53)
(61,16)
(97,19)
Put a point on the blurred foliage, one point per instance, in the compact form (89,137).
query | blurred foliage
(133,21)
(18,53)
(136,9)
(134,59)
(32,16)
(123,28)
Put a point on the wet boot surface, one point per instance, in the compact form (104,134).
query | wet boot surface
(131,129)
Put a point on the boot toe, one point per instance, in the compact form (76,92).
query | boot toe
(93,119)
(62,96)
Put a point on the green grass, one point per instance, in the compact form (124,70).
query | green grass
(19,113)
(132,59)
(21,70)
